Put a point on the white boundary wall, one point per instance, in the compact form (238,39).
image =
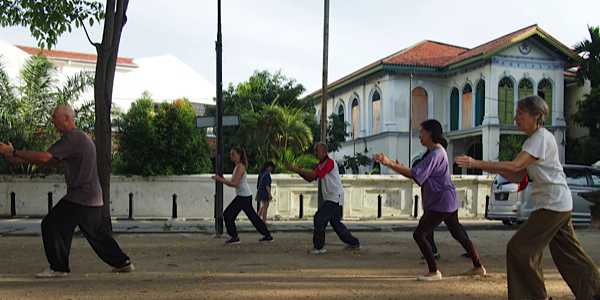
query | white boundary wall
(152,196)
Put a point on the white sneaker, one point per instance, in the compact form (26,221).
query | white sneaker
(318,251)
(430,276)
(126,269)
(475,271)
(49,273)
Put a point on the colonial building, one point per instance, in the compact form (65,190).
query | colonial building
(472,92)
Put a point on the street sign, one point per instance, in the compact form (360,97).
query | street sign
(204,122)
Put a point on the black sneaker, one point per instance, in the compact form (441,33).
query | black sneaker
(232,241)
(266,238)
(352,247)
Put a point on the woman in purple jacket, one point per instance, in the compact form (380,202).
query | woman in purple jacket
(439,198)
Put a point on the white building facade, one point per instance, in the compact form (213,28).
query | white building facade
(165,78)
(472,92)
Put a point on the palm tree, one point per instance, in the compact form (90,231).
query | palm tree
(589,63)
(26,109)
(274,132)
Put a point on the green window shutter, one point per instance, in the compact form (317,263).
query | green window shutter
(454,106)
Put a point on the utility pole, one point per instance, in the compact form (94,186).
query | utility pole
(320,199)
(219,125)
(410,120)
(325,71)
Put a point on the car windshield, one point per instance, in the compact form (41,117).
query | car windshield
(501,180)
(576,177)
(596,178)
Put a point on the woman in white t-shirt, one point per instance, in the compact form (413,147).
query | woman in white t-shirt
(242,200)
(550,223)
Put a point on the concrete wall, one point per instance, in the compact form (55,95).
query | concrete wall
(152,197)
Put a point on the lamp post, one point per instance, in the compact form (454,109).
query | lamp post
(324,87)
(219,120)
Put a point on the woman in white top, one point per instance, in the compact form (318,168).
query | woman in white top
(550,223)
(242,200)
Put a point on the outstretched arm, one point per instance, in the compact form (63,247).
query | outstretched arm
(512,170)
(308,175)
(23,156)
(235,178)
(394,165)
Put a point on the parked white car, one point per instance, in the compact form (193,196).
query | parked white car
(511,203)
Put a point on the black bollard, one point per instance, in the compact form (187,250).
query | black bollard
(50,202)
(13,204)
(130,206)
(487,203)
(416,210)
(174,214)
(379,207)
(301,213)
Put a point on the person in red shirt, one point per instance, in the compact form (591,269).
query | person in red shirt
(328,176)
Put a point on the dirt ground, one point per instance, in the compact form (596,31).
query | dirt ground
(195,266)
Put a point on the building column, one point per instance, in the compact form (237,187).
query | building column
(560,137)
(490,116)
(490,140)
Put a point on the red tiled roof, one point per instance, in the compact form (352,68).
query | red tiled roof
(426,53)
(440,55)
(500,42)
(71,55)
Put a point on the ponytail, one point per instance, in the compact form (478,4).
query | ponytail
(435,129)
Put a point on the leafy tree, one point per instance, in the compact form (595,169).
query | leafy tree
(289,157)
(49,19)
(583,150)
(336,132)
(356,161)
(161,140)
(588,112)
(510,146)
(26,109)
(589,62)
(273,119)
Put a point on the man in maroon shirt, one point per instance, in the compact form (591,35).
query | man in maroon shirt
(81,206)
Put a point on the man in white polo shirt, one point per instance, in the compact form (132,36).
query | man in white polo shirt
(328,176)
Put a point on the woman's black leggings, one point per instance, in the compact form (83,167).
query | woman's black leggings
(428,222)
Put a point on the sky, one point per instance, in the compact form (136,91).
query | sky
(286,35)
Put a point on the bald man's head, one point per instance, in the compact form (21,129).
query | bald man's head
(321,151)
(63,118)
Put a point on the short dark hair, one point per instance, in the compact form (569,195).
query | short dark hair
(268,164)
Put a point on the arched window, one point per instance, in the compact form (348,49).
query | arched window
(545,91)
(480,102)
(525,88)
(506,101)
(355,118)
(467,107)
(341,111)
(341,114)
(454,109)
(419,107)
(376,113)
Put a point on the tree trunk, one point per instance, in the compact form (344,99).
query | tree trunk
(107,52)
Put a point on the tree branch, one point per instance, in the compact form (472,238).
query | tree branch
(88,35)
